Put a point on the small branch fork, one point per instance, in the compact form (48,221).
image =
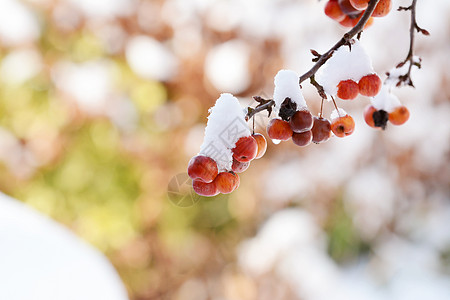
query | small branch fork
(406,78)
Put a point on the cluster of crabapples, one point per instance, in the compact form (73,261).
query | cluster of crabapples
(229,146)
(227,149)
(208,181)
(348,12)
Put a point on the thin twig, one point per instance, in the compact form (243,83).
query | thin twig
(259,108)
(406,78)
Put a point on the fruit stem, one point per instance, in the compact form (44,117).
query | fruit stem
(321,108)
(335,106)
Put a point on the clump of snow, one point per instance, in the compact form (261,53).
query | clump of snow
(287,85)
(226,125)
(336,114)
(343,65)
(385,100)
(226,66)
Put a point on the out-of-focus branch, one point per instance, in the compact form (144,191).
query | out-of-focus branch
(406,78)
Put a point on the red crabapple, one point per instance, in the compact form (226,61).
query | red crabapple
(383,8)
(303,138)
(301,121)
(246,149)
(239,167)
(353,20)
(369,85)
(226,182)
(359,4)
(347,89)
(343,126)
(347,8)
(368,115)
(278,129)
(207,189)
(334,11)
(321,130)
(348,21)
(203,168)
(399,116)
(262,144)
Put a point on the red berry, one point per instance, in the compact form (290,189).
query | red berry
(321,130)
(303,138)
(343,126)
(262,144)
(205,189)
(246,149)
(203,168)
(359,4)
(347,8)
(368,115)
(239,167)
(301,121)
(226,182)
(334,11)
(369,85)
(349,21)
(382,9)
(347,89)
(399,116)
(279,130)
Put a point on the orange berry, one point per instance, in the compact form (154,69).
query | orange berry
(239,167)
(382,9)
(359,4)
(302,139)
(207,189)
(349,21)
(226,182)
(347,8)
(246,149)
(321,130)
(369,85)
(399,116)
(333,10)
(301,121)
(368,115)
(262,144)
(203,168)
(343,126)
(279,130)
(347,89)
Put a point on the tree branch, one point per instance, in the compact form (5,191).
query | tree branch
(321,60)
(406,78)
(343,41)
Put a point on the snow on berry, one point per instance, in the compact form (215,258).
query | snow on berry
(345,64)
(336,114)
(226,124)
(385,100)
(287,85)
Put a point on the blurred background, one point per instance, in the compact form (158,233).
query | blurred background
(103,103)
